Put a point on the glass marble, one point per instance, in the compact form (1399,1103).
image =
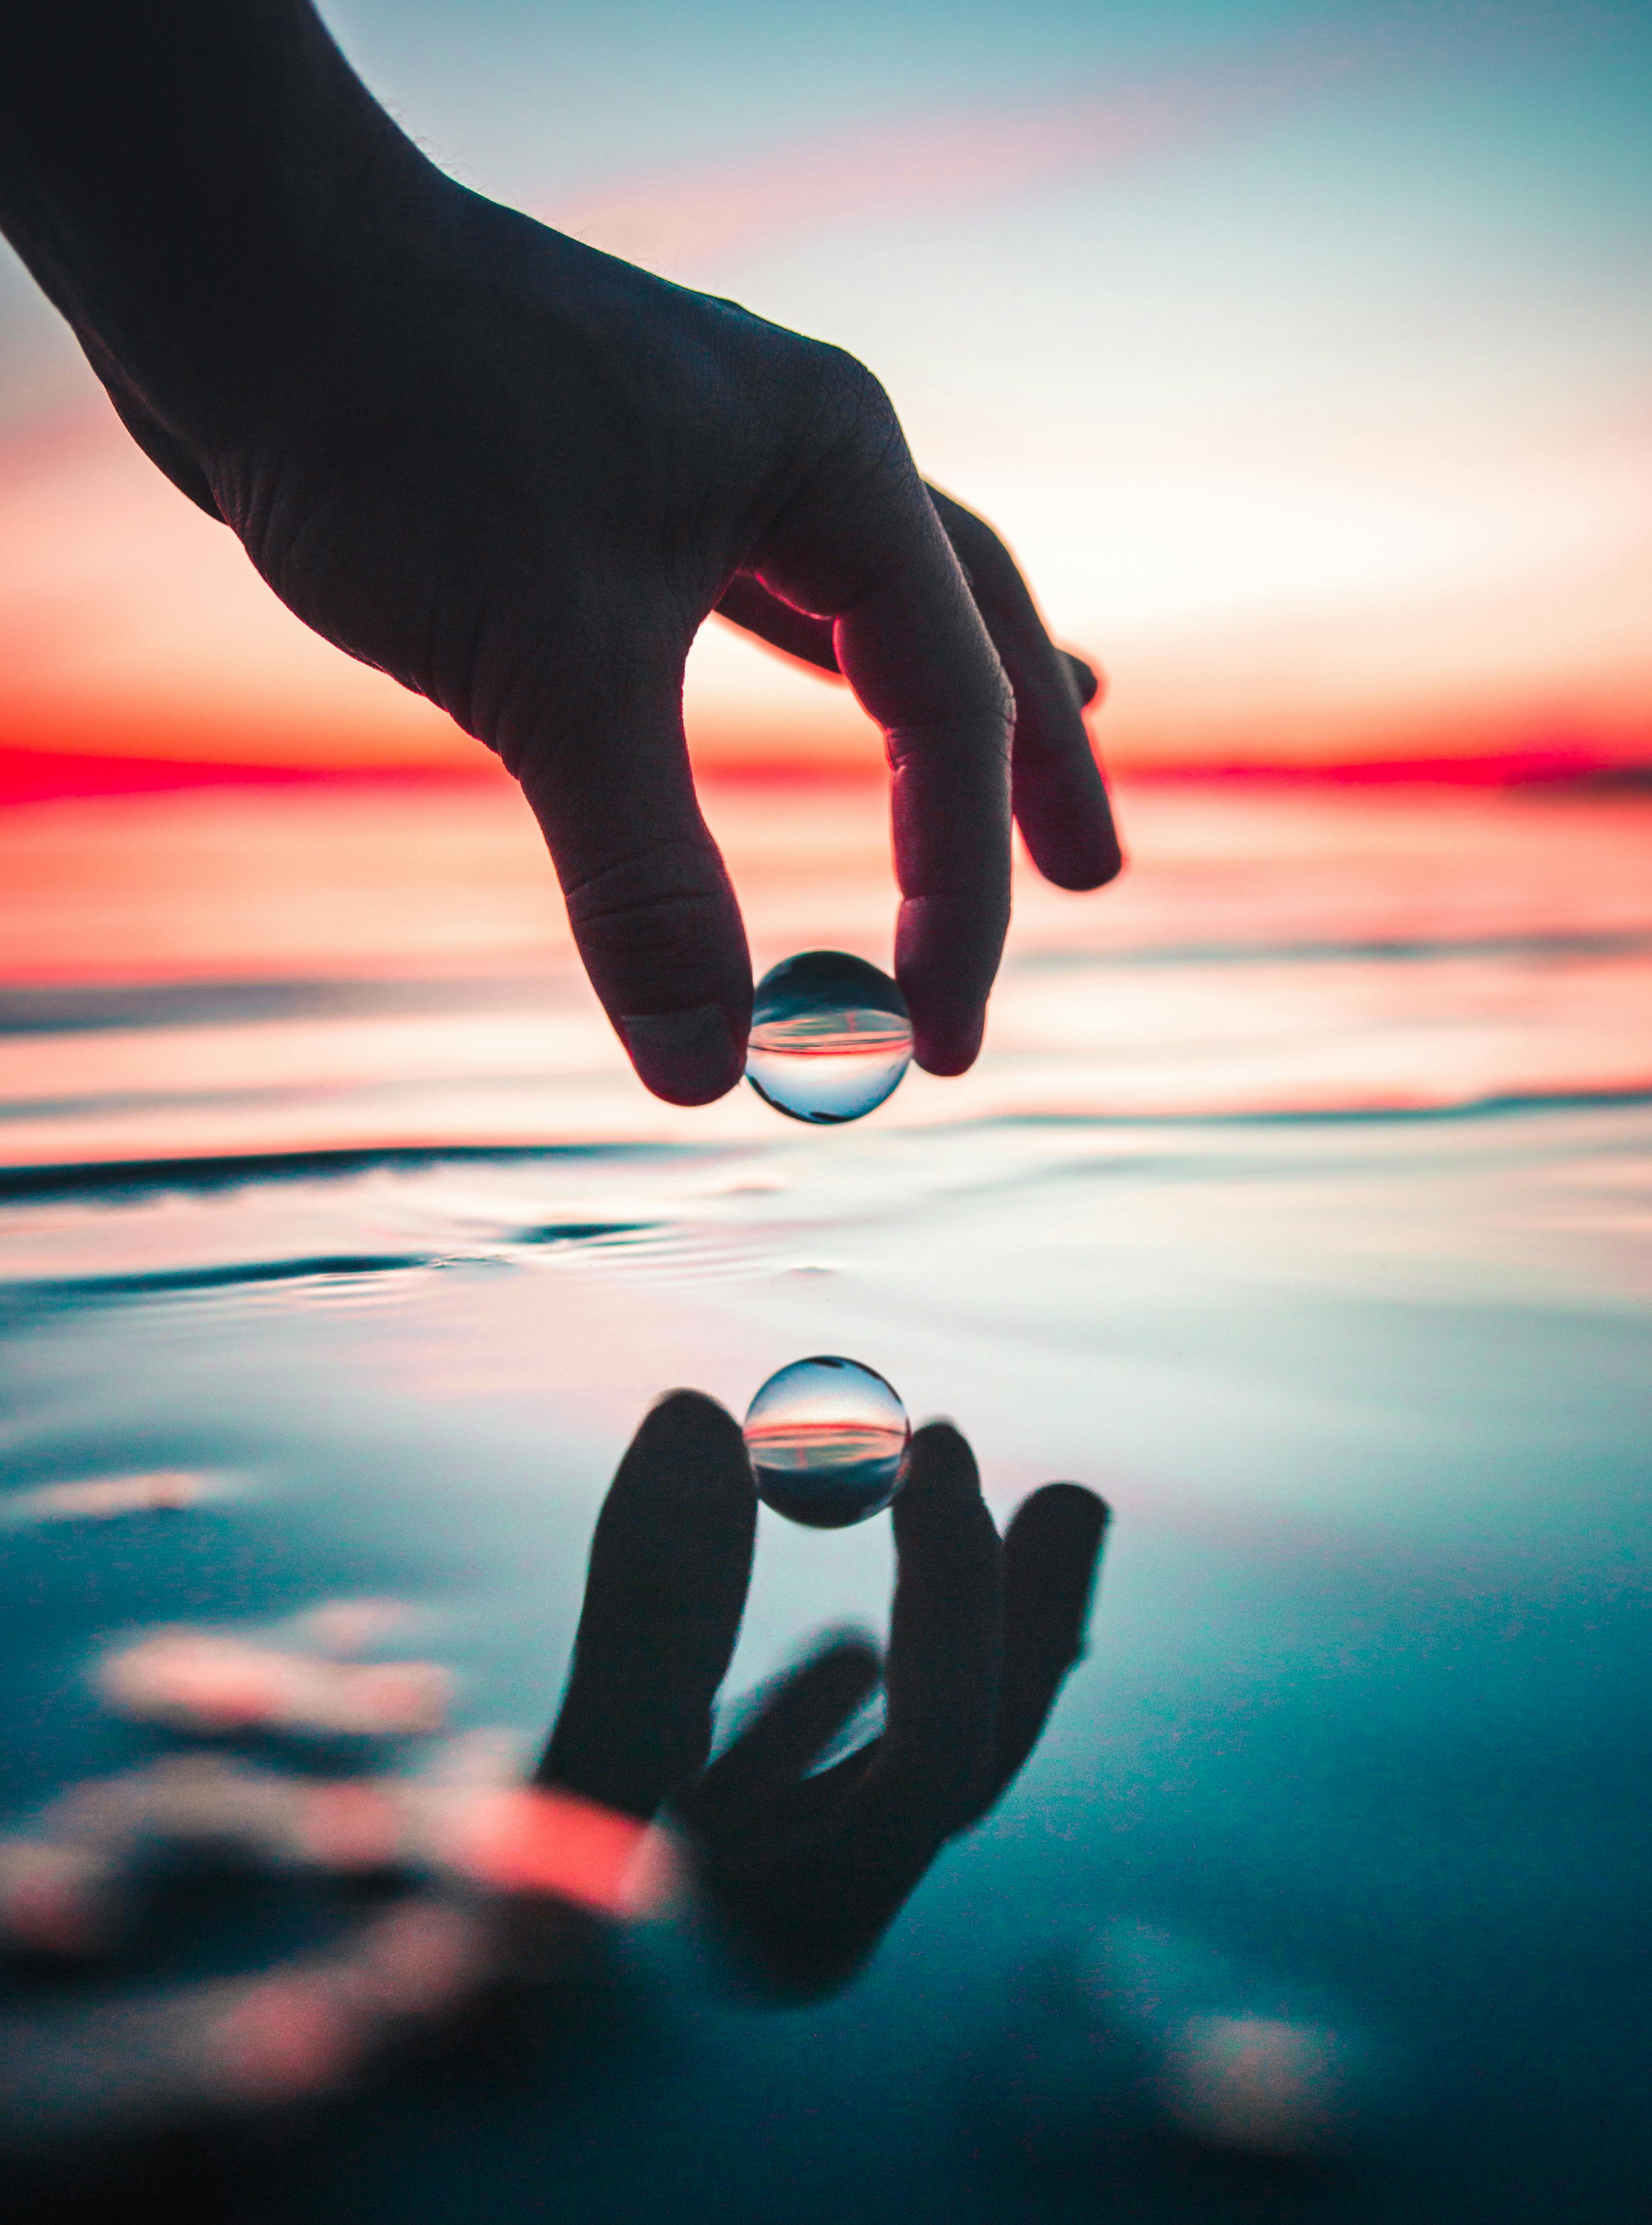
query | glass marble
(831,1036)
(828,1440)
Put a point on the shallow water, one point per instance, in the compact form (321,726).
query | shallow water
(1301,1205)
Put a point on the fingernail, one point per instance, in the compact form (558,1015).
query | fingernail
(688,1058)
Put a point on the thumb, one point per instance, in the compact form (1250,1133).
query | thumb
(599,750)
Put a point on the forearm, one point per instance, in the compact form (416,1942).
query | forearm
(180,175)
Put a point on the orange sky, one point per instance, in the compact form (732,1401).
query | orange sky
(130,625)
(1305,376)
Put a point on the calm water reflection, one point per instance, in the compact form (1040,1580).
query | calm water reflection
(1318,1897)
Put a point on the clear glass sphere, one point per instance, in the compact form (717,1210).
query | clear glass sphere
(828,1440)
(831,1036)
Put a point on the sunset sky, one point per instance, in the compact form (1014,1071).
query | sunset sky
(1302,351)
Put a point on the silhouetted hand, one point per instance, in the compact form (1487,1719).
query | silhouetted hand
(517,474)
(808,1870)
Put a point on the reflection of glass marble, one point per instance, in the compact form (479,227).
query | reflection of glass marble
(828,1441)
(831,1036)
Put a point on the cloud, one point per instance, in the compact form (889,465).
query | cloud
(918,166)
(930,165)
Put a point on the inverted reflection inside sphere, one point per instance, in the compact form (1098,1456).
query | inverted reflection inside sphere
(831,1036)
(828,1440)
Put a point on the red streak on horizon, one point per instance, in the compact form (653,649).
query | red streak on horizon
(51,776)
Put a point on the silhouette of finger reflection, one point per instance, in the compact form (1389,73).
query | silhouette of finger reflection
(806,1867)
(670,1566)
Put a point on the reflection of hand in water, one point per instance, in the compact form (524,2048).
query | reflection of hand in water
(809,1870)
(484,1877)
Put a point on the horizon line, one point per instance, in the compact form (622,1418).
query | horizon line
(51,776)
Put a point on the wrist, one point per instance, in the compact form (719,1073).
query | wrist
(192,182)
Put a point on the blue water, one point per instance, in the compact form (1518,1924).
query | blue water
(1359,1749)
(1366,1699)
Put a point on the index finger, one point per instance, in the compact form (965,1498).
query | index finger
(860,543)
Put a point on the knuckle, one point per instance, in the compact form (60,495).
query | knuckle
(969,721)
(844,403)
(849,377)
(651,901)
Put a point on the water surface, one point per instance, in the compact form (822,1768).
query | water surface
(1301,1205)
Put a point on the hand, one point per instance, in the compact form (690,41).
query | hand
(809,1870)
(1060,805)
(517,475)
